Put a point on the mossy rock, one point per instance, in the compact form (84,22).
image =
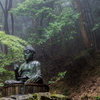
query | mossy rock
(59,97)
(37,96)
(49,96)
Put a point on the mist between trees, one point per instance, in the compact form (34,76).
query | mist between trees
(52,27)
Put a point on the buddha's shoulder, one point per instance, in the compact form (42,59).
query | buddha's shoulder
(35,62)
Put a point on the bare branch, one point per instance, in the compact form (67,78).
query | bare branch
(10,5)
(6,3)
(2,7)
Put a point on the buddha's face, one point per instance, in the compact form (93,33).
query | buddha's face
(28,55)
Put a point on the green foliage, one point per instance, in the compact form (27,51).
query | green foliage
(81,97)
(1,84)
(50,82)
(15,52)
(87,53)
(62,74)
(91,97)
(7,75)
(15,49)
(34,7)
(97,97)
(66,92)
(61,19)
(0,25)
(55,79)
(30,98)
(12,42)
(96,27)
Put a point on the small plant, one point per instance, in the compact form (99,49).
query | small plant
(62,74)
(1,84)
(66,91)
(87,53)
(30,98)
(81,97)
(50,82)
(0,94)
(91,97)
(55,79)
(97,97)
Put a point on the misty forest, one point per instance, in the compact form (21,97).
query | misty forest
(65,35)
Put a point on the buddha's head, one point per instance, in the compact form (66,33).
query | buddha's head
(29,53)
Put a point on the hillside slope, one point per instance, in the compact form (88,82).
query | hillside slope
(82,78)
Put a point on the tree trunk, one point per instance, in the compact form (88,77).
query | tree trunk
(92,24)
(83,30)
(8,6)
(63,43)
(6,18)
(12,19)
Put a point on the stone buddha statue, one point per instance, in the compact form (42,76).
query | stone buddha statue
(29,71)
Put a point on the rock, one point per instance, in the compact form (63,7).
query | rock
(59,97)
(18,97)
(37,96)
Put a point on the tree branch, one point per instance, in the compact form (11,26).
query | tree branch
(2,7)
(6,10)
(10,5)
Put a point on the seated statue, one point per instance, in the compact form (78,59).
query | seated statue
(29,71)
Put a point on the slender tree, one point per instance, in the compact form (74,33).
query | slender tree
(82,25)
(8,6)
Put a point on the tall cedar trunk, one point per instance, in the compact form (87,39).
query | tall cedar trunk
(83,30)
(80,44)
(87,17)
(92,23)
(63,43)
(40,31)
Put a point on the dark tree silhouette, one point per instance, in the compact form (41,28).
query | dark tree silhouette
(8,6)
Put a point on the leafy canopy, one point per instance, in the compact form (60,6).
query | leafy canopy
(53,18)
(15,50)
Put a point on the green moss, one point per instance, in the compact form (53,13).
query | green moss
(30,98)
(35,96)
(59,96)
(81,97)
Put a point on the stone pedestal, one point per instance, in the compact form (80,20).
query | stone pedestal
(16,89)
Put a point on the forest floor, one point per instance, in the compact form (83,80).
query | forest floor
(82,79)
